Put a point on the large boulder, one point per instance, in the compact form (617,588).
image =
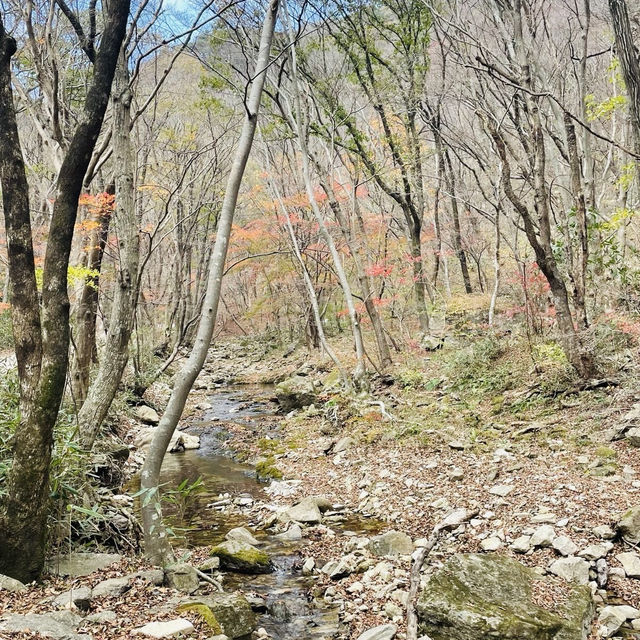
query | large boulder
(295,393)
(232,612)
(242,557)
(480,596)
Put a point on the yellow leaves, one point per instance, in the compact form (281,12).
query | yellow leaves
(603,110)
(619,218)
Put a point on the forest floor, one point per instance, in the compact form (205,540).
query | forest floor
(480,423)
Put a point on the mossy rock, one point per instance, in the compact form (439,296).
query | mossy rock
(242,557)
(266,469)
(204,612)
(232,613)
(480,596)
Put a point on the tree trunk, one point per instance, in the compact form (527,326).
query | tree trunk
(158,549)
(43,354)
(87,311)
(626,51)
(115,354)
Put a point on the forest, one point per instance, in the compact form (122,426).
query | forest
(320,320)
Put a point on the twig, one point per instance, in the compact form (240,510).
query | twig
(209,579)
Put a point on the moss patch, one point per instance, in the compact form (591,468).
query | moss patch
(242,558)
(205,613)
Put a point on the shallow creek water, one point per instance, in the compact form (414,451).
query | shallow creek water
(291,613)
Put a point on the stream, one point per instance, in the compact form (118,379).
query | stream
(291,612)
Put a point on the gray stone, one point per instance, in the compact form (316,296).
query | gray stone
(153,576)
(111,588)
(183,577)
(308,566)
(633,436)
(79,598)
(166,628)
(604,532)
(501,490)
(232,612)
(611,618)
(242,557)
(571,569)
(596,551)
(295,393)
(630,563)
(294,532)
(210,564)
(77,565)
(146,414)
(45,625)
(11,584)
(480,596)
(492,543)
(383,632)
(521,544)
(240,534)
(343,444)
(629,525)
(391,543)
(102,617)
(543,536)
(565,546)
(307,511)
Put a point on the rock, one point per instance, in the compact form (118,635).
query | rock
(11,584)
(604,532)
(183,577)
(338,569)
(45,625)
(79,598)
(633,437)
(111,588)
(153,576)
(611,618)
(456,474)
(431,343)
(77,565)
(102,617)
(242,557)
(232,612)
(565,546)
(543,536)
(629,525)
(307,511)
(383,632)
(457,445)
(571,569)
(391,543)
(209,565)
(308,566)
(492,543)
(240,534)
(630,563)
(501,490)
(186,440)
(146,414)
(480,596)
(294,532)
(166,629)
(596,551)
(343,444)
(522,544)
(295,393)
